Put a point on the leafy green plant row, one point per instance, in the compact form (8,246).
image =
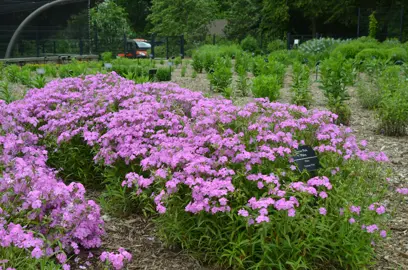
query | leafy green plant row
(387,94)
(301,85)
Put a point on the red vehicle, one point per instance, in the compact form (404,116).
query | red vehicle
(136,48)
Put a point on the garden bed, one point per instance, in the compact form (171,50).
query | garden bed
(393,253)
(138,234)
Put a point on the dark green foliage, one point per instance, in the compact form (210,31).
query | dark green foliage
(194,74)
(373,25)
(276,45)
(249,44)
(138,10)
(268,66)
(120,200)
(300,85)
(204,57)
(19,258)
(112,23)
(351,49)
(73,69)
(243,84)
(163,74)
(243,61)
(50,70)
(266,86)
(243,19)
(12,73)
(189,17)
(392,108)
(396,54)
(6,93)
(74,162)
(259,66)
(209,57)
(221,76)
(107,57)
(369,94)
(24,77)
(178,61)
(183,71)
(336,74)
(283,56)
(369,54)
(2,69)
(39,81)
(198,62)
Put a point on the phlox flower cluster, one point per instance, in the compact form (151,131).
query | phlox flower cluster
(181,140)
(356,213)
(117,260)
(37,210)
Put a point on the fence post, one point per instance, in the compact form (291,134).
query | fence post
(213,39)
(167,48)
(37,43)
(81,47)
(401,23)
(153,44)
(288,40)
(358,22)
(182,46)
(96,39)
(124,44)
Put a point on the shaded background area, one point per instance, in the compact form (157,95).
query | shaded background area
(60,29)
(66,29)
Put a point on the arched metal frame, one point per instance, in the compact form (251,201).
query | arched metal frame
(29,19)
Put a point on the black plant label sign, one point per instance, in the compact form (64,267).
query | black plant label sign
(306,158)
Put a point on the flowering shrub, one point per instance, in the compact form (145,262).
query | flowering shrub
(39,213)
(223,177)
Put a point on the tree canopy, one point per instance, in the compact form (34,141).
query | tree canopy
(175,17)
(111,21)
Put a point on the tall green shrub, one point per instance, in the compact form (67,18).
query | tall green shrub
(392,108)
(249,44)
(221,76)
(373,25)
(336,73)
(300,85)
(266,86)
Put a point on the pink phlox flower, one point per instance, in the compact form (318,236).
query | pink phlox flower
(322,211)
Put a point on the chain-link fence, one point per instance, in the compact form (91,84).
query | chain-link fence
(391,23)
(66,29)
(61,29)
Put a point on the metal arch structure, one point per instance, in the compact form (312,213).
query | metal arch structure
(30,18)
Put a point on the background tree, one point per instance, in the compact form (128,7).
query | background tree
(137,10)
(111,23)
(223,7)
(312,10)
(373,26)
(188,17)
(275,18)
(244,18)
(342,11)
